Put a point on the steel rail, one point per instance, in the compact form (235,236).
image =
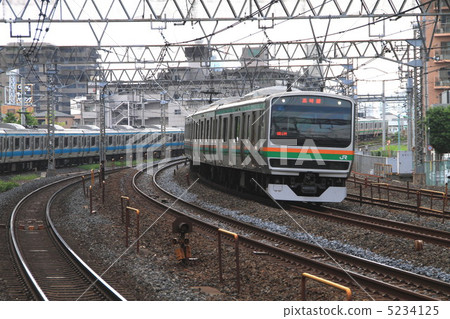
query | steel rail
(396,205)
(430,235)
(327,268)
(96,279)
(25,271)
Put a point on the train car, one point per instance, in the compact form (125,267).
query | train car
(27,148)
(369,128)
(293,146)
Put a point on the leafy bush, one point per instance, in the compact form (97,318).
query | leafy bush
(6,186)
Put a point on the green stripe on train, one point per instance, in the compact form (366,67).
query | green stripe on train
(340,157)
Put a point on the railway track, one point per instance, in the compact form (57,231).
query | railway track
(397,205)
(429,235)
(374,278)
(381,194)
(50,269)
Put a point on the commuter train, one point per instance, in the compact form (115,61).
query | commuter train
(293,146)
(369,128)
(26,148)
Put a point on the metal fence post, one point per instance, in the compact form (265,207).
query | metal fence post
(236,249)
(84,185)
(90,199)
(123,206)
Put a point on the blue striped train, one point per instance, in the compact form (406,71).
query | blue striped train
(24,148)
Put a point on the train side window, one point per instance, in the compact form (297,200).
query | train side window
(201,129)
(253,130)
(197,128)
(219,130)
(110,140)
(237,127)
(247,127)
(257,125)
(66,142)
(208,122)
(75,141)
(214,129)
(16,143)
(92,140)
(36,143)
(27,143)
(244,126)
(56,141)
(188,128)
(261,124)
(225,129)
(230,129)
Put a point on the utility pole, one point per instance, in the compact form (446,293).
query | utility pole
(23,119)
(409,88)
(143,108)
(419,172)
(102,147)
(383,124)
(163,121)
(51,72)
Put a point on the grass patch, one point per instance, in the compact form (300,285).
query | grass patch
(28,177)
(390,150)
(6,186)
(89,166)
(96,166)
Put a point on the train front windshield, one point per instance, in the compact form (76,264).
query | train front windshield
(325,120)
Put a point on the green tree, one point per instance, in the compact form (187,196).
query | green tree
(30,119)
(10,118)
(438,123)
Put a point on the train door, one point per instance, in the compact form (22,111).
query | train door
(220,138)
(57,146)
(207,140)
(237,138)
(11,146)
(110,145)
(66,145)
(82,145)
(76,144)
(2,148)
(34,146)
(40,146)
(27,150)
(244,133)
(18,147)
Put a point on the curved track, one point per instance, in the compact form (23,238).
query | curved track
(405,197)
(388,282)
(50,268)
(429,235)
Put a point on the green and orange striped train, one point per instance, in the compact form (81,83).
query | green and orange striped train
(292,146)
